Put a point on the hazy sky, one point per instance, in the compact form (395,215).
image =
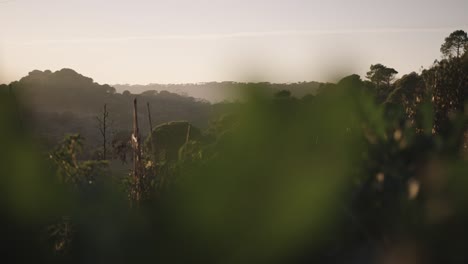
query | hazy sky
(167,41)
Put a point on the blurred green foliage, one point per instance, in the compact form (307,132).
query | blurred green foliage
(343,176)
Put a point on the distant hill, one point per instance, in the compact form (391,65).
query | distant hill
(56,103)
(221,91)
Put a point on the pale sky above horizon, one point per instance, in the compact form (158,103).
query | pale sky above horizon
(180,41)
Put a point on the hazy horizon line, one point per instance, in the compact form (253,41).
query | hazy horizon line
(201,83)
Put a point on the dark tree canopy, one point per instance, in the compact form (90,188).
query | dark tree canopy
(381,75)
(170,137)
(455,45)
(283,94)
(351,80)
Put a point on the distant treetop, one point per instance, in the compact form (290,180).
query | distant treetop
(455,45)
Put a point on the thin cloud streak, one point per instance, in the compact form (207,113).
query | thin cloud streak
(290,33)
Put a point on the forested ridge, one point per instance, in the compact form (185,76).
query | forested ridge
(217,92)
(61,102)
(370,169)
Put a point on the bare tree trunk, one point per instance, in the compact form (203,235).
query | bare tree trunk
(136,154)
(103,129)
(149,118)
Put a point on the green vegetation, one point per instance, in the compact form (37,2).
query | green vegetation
(364,171)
